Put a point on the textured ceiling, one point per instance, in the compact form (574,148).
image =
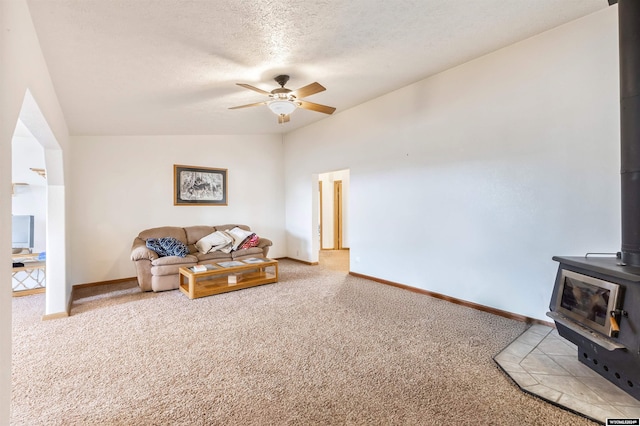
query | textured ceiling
(147,67)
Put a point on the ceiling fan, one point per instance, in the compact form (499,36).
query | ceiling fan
(284,101)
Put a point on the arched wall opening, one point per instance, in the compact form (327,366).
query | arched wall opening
(57,292)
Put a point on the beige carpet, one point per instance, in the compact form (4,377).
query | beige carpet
(318,348)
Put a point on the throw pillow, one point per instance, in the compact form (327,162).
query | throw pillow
(252,241)
(239,236)
(167,246)
(215,241)
(154,244)
(226,248)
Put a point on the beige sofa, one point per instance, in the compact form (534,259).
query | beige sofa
(161,273)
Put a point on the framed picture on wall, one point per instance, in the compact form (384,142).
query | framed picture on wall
(199,186)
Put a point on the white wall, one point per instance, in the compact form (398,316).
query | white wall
(124,184)
(468,182)
(22,68)
(6,132)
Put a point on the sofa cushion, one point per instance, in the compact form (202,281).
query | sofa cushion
(215,241)
(167,246)
(213,256)
(253,252)
(195,233)
(174,260)
(169,269)
(164,231)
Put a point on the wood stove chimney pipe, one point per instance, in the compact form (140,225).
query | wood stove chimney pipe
(629,45)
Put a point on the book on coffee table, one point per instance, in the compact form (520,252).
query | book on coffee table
(202,268)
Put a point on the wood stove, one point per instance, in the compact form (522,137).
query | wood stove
(596,300)
(595,305)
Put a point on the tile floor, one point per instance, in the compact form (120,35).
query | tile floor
(543,363)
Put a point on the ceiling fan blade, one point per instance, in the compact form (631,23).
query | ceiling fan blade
(250,87)
(316,107)
(283,119)
(308,90)
(249,105)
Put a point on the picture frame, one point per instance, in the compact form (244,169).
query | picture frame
(199,186)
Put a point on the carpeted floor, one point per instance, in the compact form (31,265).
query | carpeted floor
(318,348)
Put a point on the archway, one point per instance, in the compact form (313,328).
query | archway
(57,291)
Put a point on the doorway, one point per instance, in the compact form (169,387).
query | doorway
(333,226)
(57,292)
(29,211)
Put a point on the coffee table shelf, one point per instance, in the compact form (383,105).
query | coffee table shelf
(217,280)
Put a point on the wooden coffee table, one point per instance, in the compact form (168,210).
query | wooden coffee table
(222,277)
(29,278)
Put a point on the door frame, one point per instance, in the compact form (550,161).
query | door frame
(337,214)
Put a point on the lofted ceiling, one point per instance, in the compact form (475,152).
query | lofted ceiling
(151,67)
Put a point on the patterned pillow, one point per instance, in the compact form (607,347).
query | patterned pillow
(167,246)
(252,241)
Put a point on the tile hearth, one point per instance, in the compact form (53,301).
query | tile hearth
(544,364)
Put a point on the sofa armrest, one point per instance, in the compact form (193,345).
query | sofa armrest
(139,251)
(264,242)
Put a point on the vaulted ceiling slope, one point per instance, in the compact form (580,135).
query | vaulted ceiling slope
(149,67)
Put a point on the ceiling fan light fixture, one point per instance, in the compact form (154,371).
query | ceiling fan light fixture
(282,107)
(283,101)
